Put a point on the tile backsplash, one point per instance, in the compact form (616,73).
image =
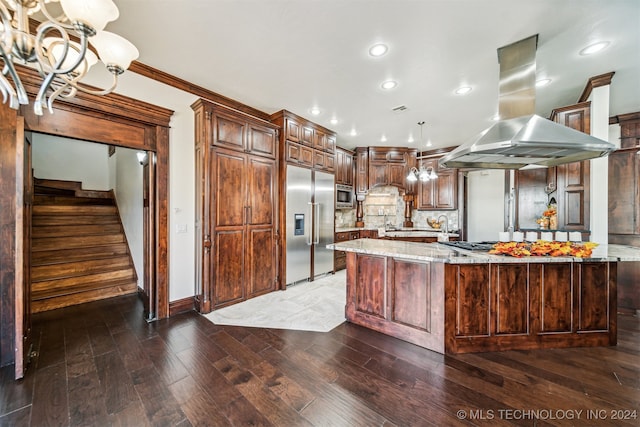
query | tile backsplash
(385,204)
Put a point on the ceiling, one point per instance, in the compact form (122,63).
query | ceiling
(300,54)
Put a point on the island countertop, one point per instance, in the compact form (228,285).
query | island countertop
(435,252)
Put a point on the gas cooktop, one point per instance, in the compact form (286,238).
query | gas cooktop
(470,246)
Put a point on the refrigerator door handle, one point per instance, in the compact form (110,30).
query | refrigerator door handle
(316,223)
(309,222)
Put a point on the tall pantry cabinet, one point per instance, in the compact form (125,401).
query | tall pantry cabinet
(236,208)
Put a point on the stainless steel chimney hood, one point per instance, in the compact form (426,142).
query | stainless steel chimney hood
(523,138)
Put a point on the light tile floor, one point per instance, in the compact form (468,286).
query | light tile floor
(308,306)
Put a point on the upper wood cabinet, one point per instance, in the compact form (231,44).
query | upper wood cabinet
(305,143)
(344,166)
(235,132)
(440,193)
(384,166)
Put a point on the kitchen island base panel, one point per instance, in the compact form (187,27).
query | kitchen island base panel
(463,308)
(397,297)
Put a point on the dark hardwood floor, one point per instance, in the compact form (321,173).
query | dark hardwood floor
(101,364)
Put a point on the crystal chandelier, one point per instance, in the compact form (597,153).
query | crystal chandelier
(424,174)
(59,48)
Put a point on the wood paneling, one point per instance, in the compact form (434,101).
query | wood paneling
(594,297)
(472,300)
(370,286)
(556,302)
(410,294)
(511,298)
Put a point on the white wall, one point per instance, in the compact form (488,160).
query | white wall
(71,160)
(181,173)
(128,191)
(485,205)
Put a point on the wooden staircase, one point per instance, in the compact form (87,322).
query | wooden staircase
(79,251)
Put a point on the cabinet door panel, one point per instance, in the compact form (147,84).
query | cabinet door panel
(293,131)
(228,280)
(511,284)
(307,136)
(472,300)
(228,188)
(330,145)
(348,169)
(262,141)
(378,175)
(410,294)
(261,187)
(261,257)
(229,132)
(397,174)
(293,152)
(318,159)
(370,284)
(594,296)
(329,162)
(306,156)
(445,194)
(556,291)
(319,140)
(624,196)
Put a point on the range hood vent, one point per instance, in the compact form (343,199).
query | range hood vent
(523,138)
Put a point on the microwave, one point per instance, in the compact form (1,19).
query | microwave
(344,196)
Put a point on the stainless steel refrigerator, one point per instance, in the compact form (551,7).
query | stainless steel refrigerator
(310,224)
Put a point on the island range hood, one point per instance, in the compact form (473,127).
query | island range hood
(522,138)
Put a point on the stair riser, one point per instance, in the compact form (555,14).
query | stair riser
(74,230)
(70,282)
(58,271)
(46,200)
(61,255)
(74,242)
(39,221)
(73,210)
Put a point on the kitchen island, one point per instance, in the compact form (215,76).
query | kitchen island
(456,301)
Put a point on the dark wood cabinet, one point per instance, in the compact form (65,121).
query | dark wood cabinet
(340,257)
(236,217)
(344,166)
(362,170)
(440,193)
(305,143)
(624,206)
(390,166)
(492,307)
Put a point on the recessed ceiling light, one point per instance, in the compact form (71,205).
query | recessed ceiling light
(353,132)
(429,143)
(596,47)
(315,111)
(389,84)
(334,121)
(378,49)
(410,140)
(543,82)
(383,138)
(463,90)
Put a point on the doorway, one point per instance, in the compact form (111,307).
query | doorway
(113,119)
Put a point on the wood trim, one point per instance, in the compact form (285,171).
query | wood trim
(181,306)
(173,81)
(594,82)
(8,176)
(556,111)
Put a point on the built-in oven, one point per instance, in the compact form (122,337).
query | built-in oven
(344,196)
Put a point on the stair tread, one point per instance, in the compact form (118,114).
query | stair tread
(44,231)
(67,200)
(61,256)
(43,302)
(48,243)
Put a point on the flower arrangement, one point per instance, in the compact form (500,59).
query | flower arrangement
(549,218)
(543,248)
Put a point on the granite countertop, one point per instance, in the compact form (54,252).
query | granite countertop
(402,232)
(435,252)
